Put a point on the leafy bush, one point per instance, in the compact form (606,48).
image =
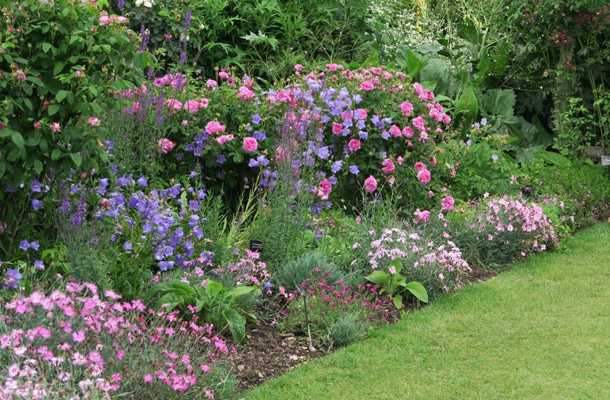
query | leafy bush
(421,255)
(225,308)
(83,342)
(348,329)
(57,60)
(502,230)
(262,38)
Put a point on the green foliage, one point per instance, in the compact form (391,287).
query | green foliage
(226,308)
(263,38)
(292,273)
(56,63)
(396,286)
(348,329)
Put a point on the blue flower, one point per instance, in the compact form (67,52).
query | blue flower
(39,265)
(37,205)
(142,181)
(323,152)
(336,167)
(354,170)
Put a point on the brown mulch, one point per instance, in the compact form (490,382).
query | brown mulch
(268,353)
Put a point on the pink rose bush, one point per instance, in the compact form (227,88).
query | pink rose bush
(84,343)
(342,125)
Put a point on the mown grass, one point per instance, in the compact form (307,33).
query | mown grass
(539,331)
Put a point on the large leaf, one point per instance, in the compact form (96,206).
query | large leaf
(236,323)
(468,103)
(418,290)
(413,63)
(379,278)
(499,102)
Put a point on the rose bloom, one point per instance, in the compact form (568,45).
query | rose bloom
(298,68)
(173,104)
(224,139)
(55,127)
(407,132)
(419,166)
(104,20)
(165,145)
(324,189)
(245,94)
(337,128)
(211,84)
(213,127)
(367,85)
(361,113)
(406,108)
(424,176)
(370,184)
(395,131)
(250,144)
(388,166)
(354,145)
(421,216)
(223,75)
(93,121)
(447,203)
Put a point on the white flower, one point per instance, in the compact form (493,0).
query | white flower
(145,3)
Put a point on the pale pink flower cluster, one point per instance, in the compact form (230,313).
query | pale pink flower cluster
(507,216)
(249,270)
(107,20)
(440,256)
(80,342)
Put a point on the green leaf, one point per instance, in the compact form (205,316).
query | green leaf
(57,68)
(76,159)
(397,300)
(53,109)
(499,102)
(236,323)
(468,103)
(418,290)
(46,47)
(17,139)
(56,154)
(380,278)
(413,63)
(2,168)
(61,95)
(38,167)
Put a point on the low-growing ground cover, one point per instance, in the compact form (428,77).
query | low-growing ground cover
(536,332)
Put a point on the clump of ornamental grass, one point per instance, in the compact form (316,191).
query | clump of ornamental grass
(80,343)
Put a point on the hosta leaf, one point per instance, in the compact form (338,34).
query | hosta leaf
(418,290)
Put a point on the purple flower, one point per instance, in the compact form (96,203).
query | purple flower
(221,159)
(323,152)
(12,278)
(36,186)
(127,246)
(142,181)
(336,167)
(124,181)
(260,135)
(37,205)
(354,170)
(256,119)
(24,245)
(39,265)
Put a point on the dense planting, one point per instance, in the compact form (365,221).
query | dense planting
(186,186)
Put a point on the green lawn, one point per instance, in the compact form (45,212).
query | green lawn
(539,331)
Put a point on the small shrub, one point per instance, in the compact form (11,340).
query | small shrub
(348,329)
(80,342)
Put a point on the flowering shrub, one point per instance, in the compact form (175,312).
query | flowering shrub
(435,262)
(80,343)
(326,301)
(506,228)
(347,127)
(57,59)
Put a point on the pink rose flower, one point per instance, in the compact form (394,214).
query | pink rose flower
(224,75)
(406,108)
(370,184)
(354,145)
(213,127)
(367,86)
(388,166)
(419,123)
(245,94)
(424,176)
(165,145)
(211,84)
(407,132)
(224,139)
(55,127)
(250,144)
(419,166)
(173,104)
(337,128)
(447,203)
(395,131)
(361,114)
(93,121)
(421,216)
(324,189)
(298,68)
